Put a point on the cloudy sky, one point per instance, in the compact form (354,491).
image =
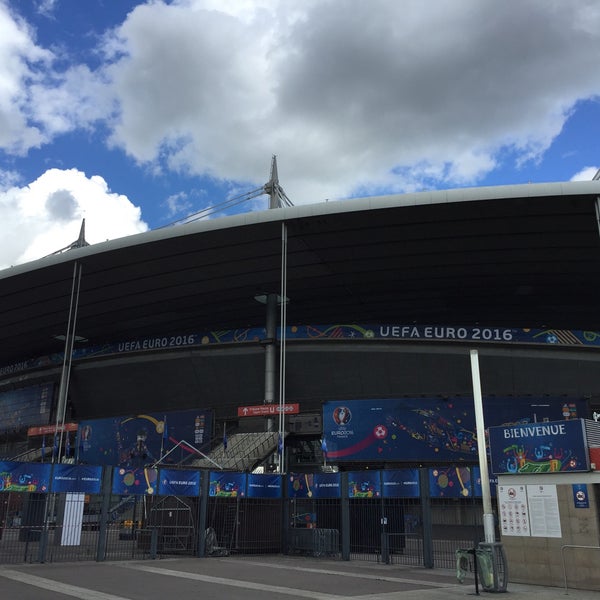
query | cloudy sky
(135,114)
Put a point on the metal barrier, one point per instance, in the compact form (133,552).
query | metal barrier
(562,552)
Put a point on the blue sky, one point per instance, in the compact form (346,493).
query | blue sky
(135,114)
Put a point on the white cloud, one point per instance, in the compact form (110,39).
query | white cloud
(586,174)
(352,96)
(46,215)
(348,94)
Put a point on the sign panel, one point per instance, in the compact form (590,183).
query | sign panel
(50,429)
(420,430)
(548,447)
(450,482)
(228,485)
(76,478)
(513,509)
(264,486)
(544,514)
(580,495)
(364,484)
(401,483)
(173,482)
(134,481)
(263,410)
(314,485)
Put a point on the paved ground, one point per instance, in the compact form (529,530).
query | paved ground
(249,578)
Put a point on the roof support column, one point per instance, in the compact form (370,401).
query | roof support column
(270,371)
(65,375)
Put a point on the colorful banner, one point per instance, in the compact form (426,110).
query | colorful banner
(141,440)
(24,477)
(401,483)
(364,484)
(545,447)
(391,332)
(450,482)
(173,482)
(76,478)
(425,429)
(137,482)
(227,485)
(314,485)
(264,486)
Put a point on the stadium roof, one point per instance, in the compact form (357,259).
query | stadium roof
(510,256)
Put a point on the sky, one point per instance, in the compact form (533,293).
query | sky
(133,115)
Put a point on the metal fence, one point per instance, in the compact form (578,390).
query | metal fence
(37,527)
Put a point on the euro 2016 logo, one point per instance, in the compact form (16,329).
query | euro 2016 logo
(342,415)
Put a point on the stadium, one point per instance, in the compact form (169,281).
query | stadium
(265,325)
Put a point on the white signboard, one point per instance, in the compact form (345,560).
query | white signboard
(514,517)
(544,514)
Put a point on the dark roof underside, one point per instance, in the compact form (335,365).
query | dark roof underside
(512,262)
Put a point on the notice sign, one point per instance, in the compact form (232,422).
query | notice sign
(544,515)
(264,410)
(514,514)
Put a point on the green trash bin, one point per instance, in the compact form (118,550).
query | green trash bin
(492,567)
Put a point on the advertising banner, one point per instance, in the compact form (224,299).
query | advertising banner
(314,485)
(77,478)
(173,482)
(227,485)
(547,447)
(450,482)
(138,482)
(264,486)
(364,484)
(425,429)
(24,477)
(401,483)
(141,440)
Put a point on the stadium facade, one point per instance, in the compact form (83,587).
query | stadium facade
(384,298)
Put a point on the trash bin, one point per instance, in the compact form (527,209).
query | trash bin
(492,567)
(489,565)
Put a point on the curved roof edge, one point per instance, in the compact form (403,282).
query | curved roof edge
(529,190)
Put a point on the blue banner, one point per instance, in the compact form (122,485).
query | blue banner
(228,485)
(134,481)
(425,429)
(172,482)
(141,440)
(24,477)
(364,484)
(77,478)
(264,486)
(546,447)
(476,483)
(401,483)
(314,485)
(450,482)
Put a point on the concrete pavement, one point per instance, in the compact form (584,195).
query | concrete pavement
(250,578)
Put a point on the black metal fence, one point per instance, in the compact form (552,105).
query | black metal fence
(37,527)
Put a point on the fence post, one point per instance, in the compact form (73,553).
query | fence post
(345,506)
(204,490)
(103,524)
(426,518)
(285,516)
